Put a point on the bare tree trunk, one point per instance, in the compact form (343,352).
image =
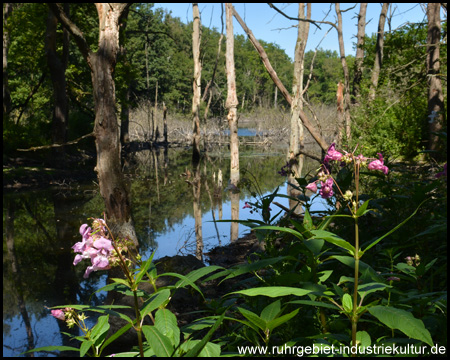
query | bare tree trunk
(296,141)
(196,38)
(435,94)
(231,105)
(359,58)
(57,67)
(102,64)
(346,75)
(378,52)
(262,54)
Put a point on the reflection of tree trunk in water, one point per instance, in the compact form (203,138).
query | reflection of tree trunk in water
(211,201)
(155,162)
(196,188)
(65,279)
(218,193)
(11,255)
(166,163)
(234,231)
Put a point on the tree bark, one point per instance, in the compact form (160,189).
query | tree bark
(359,58)
(378,52)
(102,63)
(231,105)
(57,66)
(196,38)
(262,54)
(346,75)
(435,94)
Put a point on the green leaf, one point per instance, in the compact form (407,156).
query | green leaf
(347,303)
(197,274)
(271,311)
(273,291)
(365,289)
(199,347)
(253,318)
(307,221)
(363,338)
(391,231)
(185,282)
(85,347)
(314,303)
(144,269)
(271,325)
(282,229)
(166,323)
(51,348)
(362,209)
(314,245)
(334,239)
(100,329)
(161,344)
(155,302)
(402,320)
(210,350)
(117,334)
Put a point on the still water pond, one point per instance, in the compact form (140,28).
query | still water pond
(41,226)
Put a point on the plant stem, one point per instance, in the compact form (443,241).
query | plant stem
(355,290)
(138,321)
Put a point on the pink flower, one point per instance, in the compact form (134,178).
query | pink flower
(247,206)
(59,314)
(378,165)
(312,187)
(332,154)
(326,188)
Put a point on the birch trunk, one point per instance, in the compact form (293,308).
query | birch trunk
(359,58)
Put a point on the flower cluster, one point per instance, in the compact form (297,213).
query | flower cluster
(70,316)
(326,181)
(413,260)
(96,246)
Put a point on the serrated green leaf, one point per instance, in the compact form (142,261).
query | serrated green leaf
(161,344)
(402,320)
(314,303)
(210,350)
(144,269)
(199,347)
(365,289)
(362,209)
(363,338)
(101,328)
(166,323)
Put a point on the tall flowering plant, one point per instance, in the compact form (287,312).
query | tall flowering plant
(101,251)
(314,236)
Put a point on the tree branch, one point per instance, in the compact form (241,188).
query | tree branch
(72,29)
(315,22)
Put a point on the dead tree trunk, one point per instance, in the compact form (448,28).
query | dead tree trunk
(378,52)
(296,141)
(359,58)
(102,64)
(231,105)
(435,94)
(346,75)
(7,10)
(196,38)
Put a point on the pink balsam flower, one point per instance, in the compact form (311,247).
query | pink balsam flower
(332,154)
(59,314)
(378,165)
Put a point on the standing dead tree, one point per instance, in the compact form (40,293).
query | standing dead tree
(231,105)
(359,58)
(196,38)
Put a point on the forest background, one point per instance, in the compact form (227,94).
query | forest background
(155,67)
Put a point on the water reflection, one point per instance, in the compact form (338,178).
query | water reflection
(170,201)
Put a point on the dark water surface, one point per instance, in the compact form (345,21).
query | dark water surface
(43,225)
